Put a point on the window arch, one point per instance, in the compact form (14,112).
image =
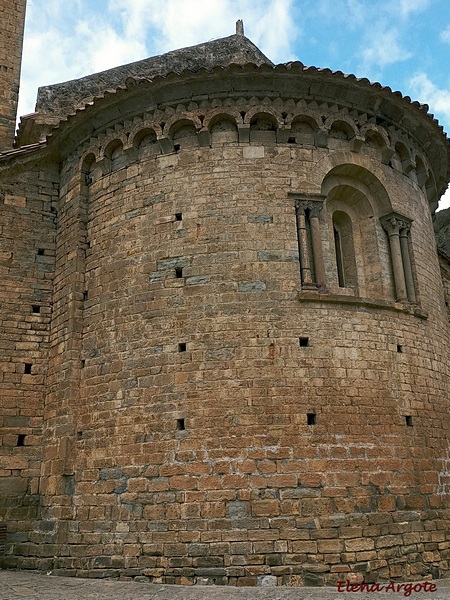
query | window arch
(358,255)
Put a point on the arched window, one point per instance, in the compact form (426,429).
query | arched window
(355,247)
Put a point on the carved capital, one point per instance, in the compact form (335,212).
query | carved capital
(311,202)
(396,224)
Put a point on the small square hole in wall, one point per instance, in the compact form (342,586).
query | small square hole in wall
(176,147)
(40,251)
(399,348)
(79,435)
(21,439)
(311,418)
(180,425)
(408,420)
(178,216)
(182,347)
(35,308)
(27,369)
(291,140)
(303,342)
(178,272)
(82,363)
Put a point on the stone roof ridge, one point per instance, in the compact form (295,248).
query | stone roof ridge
(62,98)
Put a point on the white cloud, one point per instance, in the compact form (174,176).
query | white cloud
(179,23)
(445,35)
(445,200)
(65,40)
(407,7)
(429,93)
(68,40)
(384,48)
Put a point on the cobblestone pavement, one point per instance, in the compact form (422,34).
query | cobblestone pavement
(28,585)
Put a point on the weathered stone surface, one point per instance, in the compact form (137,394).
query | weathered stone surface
(211,371)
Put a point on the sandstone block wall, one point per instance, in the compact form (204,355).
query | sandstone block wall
(12,18)
(27,232)
(247,378)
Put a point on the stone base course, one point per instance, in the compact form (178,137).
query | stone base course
(22,585)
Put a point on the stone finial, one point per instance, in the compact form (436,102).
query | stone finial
(240,27)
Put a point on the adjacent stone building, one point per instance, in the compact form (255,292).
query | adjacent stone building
(223,334)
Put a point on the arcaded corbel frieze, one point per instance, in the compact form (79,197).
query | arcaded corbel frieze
(357,143)
(244,132)
(386,155)
(321,137)
(104,164)
(166,144)
(408,166)
(204,137)
(283,134)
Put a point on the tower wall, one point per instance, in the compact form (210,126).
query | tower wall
(216,413)
(248,375)
(28,194)
(12,22)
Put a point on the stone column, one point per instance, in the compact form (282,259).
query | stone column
(305,267)
(407,267)
(315,208)
(392,224)
(308,207)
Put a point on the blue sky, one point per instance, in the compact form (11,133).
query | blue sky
(404,44)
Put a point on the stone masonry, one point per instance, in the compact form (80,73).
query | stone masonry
(12,19)
(224,342)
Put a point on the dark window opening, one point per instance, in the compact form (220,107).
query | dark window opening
(180,425)
(27,370)
(21,439)
(182,347)
(82,363)
(79,435)
(176,147)
(41,252)
(399,348)
(303,342)
(408,420)
(85,295)
(344,250)
(178,216)
(311,418)
(35,308)
(178,272)
(291,140)
(339,262)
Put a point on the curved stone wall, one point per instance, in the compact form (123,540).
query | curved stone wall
(248,376)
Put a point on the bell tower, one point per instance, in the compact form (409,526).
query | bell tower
(12,21)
